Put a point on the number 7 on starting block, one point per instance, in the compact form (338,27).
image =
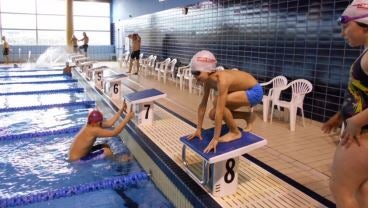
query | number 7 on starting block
(143,104)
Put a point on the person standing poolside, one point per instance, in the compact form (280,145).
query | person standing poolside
(83,148)
(135,54)
(74,41)
(6,49)
(349,179)
(235,89)
(85,40)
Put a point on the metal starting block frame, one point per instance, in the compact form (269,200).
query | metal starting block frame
(220,169)
(115,85)
(142,103)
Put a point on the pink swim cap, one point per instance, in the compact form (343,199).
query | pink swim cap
(203,61)
(95,116)
(358,8)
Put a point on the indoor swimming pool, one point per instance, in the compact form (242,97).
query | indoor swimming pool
(37,127)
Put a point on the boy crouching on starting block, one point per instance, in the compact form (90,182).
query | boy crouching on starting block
(235,89)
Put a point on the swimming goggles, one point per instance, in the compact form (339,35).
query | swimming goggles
(346,19)
(195,73)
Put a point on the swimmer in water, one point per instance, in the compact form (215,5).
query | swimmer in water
(83,147)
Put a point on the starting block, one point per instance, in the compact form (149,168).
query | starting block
(220,168)
(85,66)
(78,61)
(90,71)
(114,85)
(143,104)
(98,73)
(75,56)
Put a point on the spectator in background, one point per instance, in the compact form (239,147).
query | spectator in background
(85,40)
(135,54)
(74,41)
(6,49)
(349,179)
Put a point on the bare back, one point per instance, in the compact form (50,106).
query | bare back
(82,143)
(234,80)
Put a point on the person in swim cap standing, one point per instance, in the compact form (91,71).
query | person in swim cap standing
(349,179)
(83,147)
(235,89)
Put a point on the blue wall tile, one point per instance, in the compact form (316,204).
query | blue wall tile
(296,38)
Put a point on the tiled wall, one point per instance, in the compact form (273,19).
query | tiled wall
(295,38)
(19,53)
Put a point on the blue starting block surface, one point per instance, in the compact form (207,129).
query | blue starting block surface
(148,95)
(115,77)
(225,150)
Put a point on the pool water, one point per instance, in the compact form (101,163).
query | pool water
(34,165)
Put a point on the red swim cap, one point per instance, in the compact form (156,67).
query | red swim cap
(95,116)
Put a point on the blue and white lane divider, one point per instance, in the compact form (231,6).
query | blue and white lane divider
(29,70)
(87,104)
(42,82)
(30,135)
(115,182)
(67,90)
(32,75)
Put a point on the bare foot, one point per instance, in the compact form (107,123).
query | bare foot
(249,121)
(230,136)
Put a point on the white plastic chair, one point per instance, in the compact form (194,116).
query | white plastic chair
(300,88)
(180,75)
(145,63)
(168,70)
(151,65)
(160,66)
(277,82)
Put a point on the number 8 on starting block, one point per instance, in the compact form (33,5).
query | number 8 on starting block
(143,104)
(220,169)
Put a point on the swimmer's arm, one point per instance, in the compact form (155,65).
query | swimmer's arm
(112,120)
(219,109)
(202,107)
(360,119)
(100,132)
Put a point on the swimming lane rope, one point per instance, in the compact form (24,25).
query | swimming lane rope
(30,135)
(29,70)
(86,103)
(33,75)
(42,82)
(67,90)
(108,183)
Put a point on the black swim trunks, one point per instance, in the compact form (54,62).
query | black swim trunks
(96,152)
(84,47)
(135,55)
(6,51)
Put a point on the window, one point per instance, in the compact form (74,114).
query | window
(43,22)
